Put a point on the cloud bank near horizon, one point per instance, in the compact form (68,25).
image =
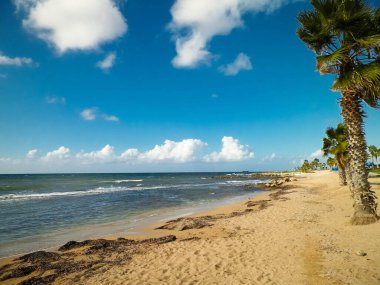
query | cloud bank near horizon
(169,152)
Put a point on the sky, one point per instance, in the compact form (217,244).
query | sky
(160,86)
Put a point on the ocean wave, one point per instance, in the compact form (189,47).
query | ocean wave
(241,182)
(35,196)
(112,189)
(96,191)
(125,181)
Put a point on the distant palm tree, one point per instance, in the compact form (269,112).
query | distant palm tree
(345,35)
(335,143)
(331,162)
(373,152)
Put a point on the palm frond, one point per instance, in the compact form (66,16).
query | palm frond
(345,35)
(365,77)
(368,42)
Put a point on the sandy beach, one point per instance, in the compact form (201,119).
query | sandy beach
(298,235)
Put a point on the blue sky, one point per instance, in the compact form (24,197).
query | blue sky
(145,85)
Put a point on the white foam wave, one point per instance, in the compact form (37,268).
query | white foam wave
(96,191)
(33,196)
(125,181)
(246,181)
(104,190)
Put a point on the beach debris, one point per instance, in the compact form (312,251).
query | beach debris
(262,204)
(183,224)
(39,280)
(160,240)
(73,244)
(190,239)
(96,244)
(188,223)
(69,264)
(361,253)
(40,256)
(278,194)
(19,271)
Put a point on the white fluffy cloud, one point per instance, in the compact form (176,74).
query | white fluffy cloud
(107,62)
(130,154)
(170,153)
(58,154)
(73,24)
(91,114)
(104,154)
(24,4)
(195,22)
(242,62)
(15,61)
(182,151)
(269,157)
(110,118)
(231,150)
(317,153)
(31,153)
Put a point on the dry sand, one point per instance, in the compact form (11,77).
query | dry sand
(301,236)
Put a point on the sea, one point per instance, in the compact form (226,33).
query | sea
(43,211)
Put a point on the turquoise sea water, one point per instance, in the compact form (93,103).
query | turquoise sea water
(42,211)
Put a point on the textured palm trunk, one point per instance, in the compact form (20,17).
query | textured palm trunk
(364,199)
(349,178)
(342,172)
(342,176)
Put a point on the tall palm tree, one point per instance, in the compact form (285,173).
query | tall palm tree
(373,152)
(335,143)
(345,35)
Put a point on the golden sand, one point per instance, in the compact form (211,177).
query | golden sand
(301,236)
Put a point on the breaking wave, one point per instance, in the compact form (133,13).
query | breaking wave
(112,189)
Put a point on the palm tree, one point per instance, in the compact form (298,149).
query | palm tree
(335,143)
(373,152)
(315,164)
(345,35)
(331,162)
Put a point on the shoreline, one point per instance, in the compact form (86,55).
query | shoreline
(124,223)
(298,235)
(141,225)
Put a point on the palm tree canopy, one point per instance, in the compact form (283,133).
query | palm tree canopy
(335,142)
(373,151)
(345,35)
(331,162)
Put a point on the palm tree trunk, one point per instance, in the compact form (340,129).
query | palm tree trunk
(349,178)
(342,176)
(364,198)
(342,172)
